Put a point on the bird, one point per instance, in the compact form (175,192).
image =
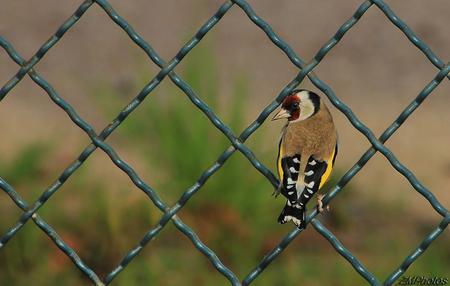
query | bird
(307,151)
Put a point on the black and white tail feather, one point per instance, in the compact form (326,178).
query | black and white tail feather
(299,193)
(295,213)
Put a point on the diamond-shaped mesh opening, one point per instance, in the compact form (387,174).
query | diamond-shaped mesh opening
(72,213)
(226,209)
(168,133)
(169,212)
(100,92)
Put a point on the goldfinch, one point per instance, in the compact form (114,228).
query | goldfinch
(306,152)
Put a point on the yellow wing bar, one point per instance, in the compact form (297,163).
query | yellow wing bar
(279,167)
(327,173)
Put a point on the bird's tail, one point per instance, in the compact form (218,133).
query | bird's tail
(293,212)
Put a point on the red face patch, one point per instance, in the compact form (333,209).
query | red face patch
(289,100)
(292,104)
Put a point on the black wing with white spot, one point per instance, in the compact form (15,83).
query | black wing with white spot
(288,168)
(289,176)
(314,173)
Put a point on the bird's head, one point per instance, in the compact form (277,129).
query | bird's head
(299,105)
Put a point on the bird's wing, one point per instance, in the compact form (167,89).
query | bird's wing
(317,172)
(288,170)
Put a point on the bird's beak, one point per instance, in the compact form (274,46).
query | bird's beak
(282,113)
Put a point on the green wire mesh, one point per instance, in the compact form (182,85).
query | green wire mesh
(237,142)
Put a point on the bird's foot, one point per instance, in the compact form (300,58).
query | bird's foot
(276,192)
(320,204)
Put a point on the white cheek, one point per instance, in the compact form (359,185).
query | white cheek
(306,110)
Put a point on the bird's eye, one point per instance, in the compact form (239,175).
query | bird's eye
(295,105)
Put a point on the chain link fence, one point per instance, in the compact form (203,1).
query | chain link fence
(237,142)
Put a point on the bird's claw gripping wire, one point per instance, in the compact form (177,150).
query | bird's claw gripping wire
(320,204)
(277,191)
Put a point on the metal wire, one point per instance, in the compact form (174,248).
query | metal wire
(237,143)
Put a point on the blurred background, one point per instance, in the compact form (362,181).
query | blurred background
(375,70)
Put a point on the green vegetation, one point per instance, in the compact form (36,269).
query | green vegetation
(172,143)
